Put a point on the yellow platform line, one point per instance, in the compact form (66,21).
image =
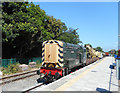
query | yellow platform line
(71,82)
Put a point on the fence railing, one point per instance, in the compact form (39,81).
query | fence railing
(6,62)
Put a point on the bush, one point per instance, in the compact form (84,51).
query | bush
(38,64)
(14,68)
(11,69)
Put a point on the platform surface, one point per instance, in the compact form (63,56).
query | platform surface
(94,77)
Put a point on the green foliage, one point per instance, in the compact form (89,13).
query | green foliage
(99,49)
(25,26)
(116,52)
(54,27)
(112,51)
(22,26)
(70,36)
(11,69)
(38,64)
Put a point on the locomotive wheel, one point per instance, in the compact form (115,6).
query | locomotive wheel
(45,80)
(57,75)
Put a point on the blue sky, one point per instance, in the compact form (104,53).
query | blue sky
(97,21)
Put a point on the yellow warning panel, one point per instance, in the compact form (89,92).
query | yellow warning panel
(51,53)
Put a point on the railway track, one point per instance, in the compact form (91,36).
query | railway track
(31,88)
(12,78)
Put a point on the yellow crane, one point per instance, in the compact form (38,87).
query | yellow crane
(93,52)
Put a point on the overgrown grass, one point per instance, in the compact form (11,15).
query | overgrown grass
(38,64)
(14,68)
(11,69)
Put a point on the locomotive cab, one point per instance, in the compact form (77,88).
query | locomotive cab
(52,59)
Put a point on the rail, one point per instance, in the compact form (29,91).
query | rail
(31,88)
(15,77)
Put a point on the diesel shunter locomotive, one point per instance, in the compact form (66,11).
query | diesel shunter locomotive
(59,58)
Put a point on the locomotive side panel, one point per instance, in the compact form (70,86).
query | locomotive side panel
(72,55)
(83,55)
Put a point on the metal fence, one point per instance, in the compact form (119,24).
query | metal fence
(6,62)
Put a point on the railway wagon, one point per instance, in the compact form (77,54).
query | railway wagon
(106,53)
(58,58)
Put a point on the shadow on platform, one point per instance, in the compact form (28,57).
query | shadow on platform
(115,85)
(101,90)
(39,80)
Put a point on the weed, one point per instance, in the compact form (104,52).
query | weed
(38,64)
(11,69)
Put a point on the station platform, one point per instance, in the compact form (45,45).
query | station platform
(94,77)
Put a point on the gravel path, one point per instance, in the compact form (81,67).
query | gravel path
(20,84)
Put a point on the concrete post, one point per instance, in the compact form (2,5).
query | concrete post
(118,69)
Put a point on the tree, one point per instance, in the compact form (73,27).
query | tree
(25,26)
(70,36)
(54,27)
(99,49)
(22,27)
(112,51)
